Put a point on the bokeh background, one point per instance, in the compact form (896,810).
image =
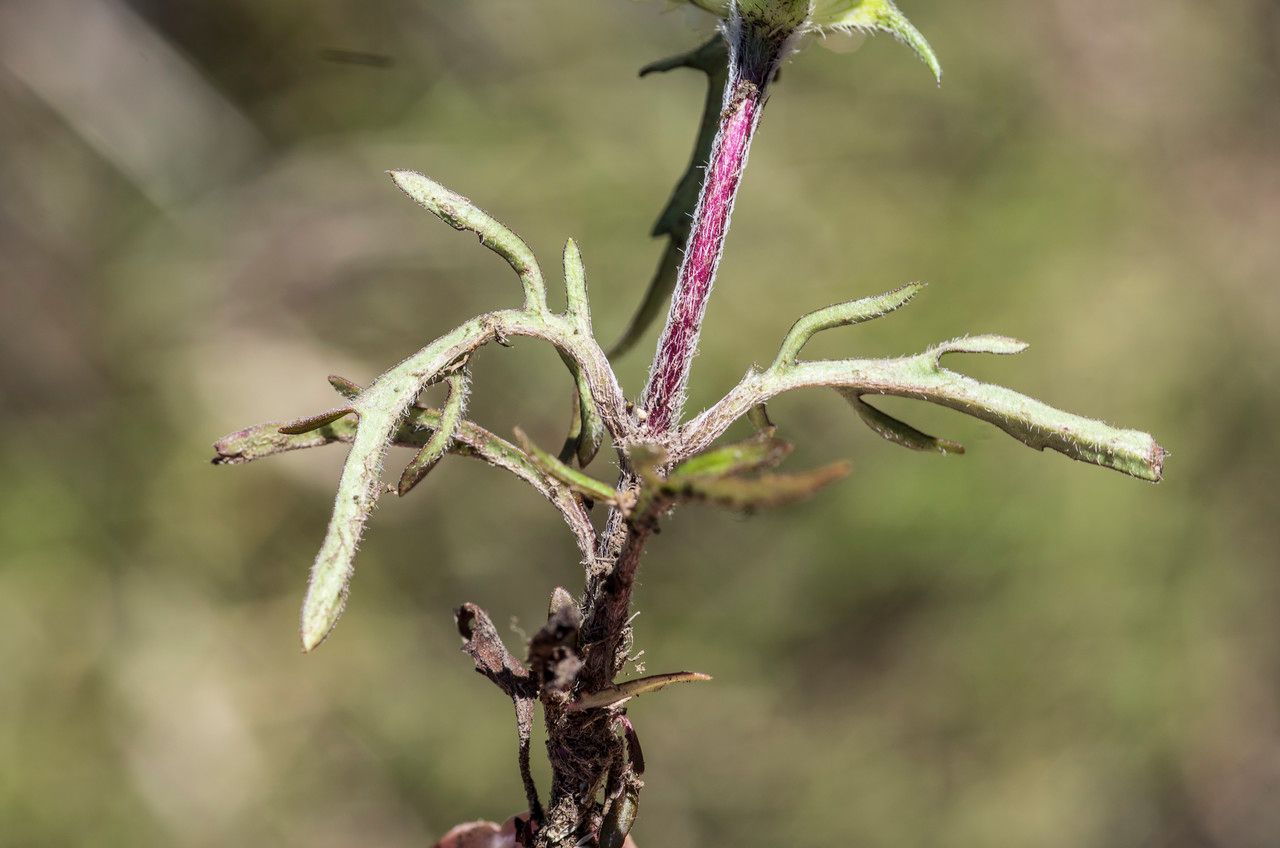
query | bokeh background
(999,649)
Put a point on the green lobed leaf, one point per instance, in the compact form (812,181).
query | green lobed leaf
(344,387)
(747,494)
(922,377)
(433,451)
(841,315)
(461,214)
(587,431)
(382,408)
(578,305)
(592,429)
(419,425)
(384,405)
(314,422)
(572,439)
(358,491)
(898,432)
(759,451)
(998,345)
(263,440)
(583,484)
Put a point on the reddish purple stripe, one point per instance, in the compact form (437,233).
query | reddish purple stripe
(664,393)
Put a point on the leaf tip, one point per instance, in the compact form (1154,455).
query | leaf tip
(344,387)
(997,345)
(320,613)
(408,479)
(1156,462)
(302,426)
(404,179)
(447,205)
(314,631)
(911,290)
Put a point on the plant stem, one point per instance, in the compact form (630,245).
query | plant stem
(582,747)
(609,597)
(755,53)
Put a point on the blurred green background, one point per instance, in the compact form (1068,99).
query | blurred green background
(1000,649)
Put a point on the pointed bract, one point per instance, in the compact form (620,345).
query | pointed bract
(846,16)
(633,688)
(882,16)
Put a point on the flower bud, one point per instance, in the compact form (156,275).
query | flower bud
(778,15)
(826,16)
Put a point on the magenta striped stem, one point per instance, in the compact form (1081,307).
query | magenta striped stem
(754,59)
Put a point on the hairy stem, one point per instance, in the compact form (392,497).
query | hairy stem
(755,53)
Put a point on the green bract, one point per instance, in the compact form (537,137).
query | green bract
(847,16)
